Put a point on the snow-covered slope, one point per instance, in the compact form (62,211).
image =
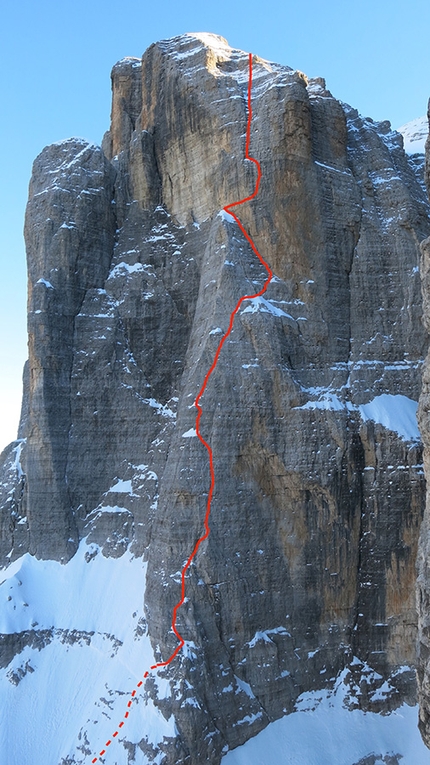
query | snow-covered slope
(84,650)
(414,135)
(323,732)
(67,690)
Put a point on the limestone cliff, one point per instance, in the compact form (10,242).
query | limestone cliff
(133,273)
(423,590)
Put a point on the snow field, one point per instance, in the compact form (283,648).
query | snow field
(74,690)
(323,732)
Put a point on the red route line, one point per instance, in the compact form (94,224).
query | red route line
(197,404)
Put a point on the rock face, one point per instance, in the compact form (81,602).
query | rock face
(427,163)
(133,273)
(423,590)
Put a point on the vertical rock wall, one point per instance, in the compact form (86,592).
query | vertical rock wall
(423,589)
(69,235)
(134,271)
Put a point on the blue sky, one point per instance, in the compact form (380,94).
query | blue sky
(56,59)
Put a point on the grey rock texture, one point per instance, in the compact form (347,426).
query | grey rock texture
(133,274)
(423,589)
(427,162)
(69,231)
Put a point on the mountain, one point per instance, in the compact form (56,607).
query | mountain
(423,589)
(415,135)
(302,594)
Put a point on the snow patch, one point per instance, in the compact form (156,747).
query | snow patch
(414,135)
(265,306)
(100,509)
(17,462)
(394,412)
(264,636)
(121,487)
(327,401)
(249,719)
(322,731)
(122,269)
(162,409)
(245,687)
(191,433)
(334,169)
(224,215)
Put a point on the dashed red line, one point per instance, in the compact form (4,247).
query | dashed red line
(228,209)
